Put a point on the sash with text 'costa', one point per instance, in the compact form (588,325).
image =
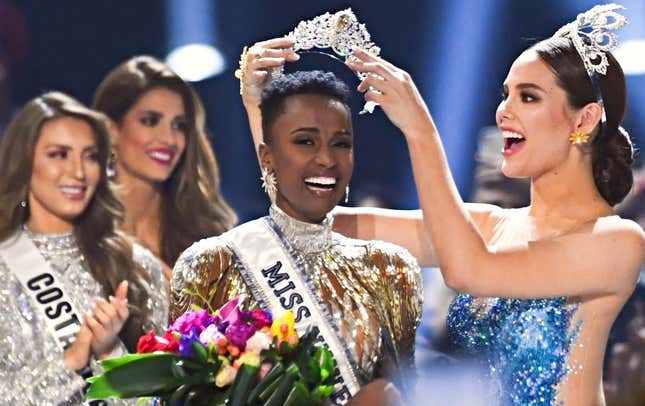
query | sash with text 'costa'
(39,281)
(274,277)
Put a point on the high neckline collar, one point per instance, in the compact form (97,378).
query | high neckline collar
(51,241)
(304,237)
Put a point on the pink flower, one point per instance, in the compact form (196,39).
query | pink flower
(211,335)
(258,342)
(265,368)
(200,320)
(230,312)
(261,318)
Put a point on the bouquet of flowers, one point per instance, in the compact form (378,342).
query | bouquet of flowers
(230,356)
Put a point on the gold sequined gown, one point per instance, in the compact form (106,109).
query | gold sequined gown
(371,289)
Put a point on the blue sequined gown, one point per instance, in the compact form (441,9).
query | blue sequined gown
(524,344)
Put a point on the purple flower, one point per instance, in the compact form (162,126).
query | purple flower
(231,311)
(260,318)
(186,345)
(238,333)
(199,320)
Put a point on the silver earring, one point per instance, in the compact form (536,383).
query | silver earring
(347,194)
(23,204)
(111,166)
(269,183)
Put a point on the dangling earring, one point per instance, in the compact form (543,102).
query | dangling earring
(579,138)
(269,183)
(346,200)
(111,166)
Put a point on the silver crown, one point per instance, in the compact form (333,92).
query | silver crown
(591,36)
(341,32)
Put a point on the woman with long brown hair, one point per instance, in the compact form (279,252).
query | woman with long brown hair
(164,165)
(75,289)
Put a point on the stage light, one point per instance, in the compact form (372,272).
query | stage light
(631,56)
(195,62)
(192,39)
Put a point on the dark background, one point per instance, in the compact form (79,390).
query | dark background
(458,51)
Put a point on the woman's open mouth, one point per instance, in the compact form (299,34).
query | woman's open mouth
(320,184)
(513,142)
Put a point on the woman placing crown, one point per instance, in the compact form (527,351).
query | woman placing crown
(542,285)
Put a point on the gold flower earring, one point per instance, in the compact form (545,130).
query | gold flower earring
(579,138)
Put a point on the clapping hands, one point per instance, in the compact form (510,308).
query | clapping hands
(100,329)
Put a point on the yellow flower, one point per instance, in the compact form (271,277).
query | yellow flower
(225,376)
(283,328)
(249,358)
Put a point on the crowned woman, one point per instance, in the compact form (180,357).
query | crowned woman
(364,296)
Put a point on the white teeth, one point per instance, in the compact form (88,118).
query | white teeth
(160,155)
(72,190)
(321,180)
(511,134)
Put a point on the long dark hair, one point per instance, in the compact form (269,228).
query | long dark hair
(192,206)
(612,153)
(107,251)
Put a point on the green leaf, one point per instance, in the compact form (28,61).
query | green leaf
(244,381)
(271,377)
(268,391)
(299,396)
(200,353)
(325,362)
(278,397)
(151,372)
(177,398)
(322,392)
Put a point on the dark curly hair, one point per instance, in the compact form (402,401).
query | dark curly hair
(612,153)
(301,82)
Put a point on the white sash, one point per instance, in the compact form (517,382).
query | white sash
(36,276)
(277,282)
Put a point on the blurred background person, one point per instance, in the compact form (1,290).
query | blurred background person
(75,289)
(166,170)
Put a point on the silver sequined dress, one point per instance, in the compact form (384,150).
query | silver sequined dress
(371,289)
(32,371)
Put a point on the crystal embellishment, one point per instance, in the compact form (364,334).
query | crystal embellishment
(341,32)
(590,33)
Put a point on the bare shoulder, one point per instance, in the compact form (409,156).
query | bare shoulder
(624,231)
(614,244)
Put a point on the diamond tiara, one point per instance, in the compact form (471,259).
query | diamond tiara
(341,32)
(590,34)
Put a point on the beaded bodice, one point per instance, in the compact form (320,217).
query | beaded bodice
(32,371)
(371,291)
(525,343)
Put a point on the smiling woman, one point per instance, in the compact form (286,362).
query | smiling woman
(75,289)
(165,167)
(364,296)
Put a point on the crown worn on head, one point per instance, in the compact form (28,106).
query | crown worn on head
(590,34)
(341,32)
